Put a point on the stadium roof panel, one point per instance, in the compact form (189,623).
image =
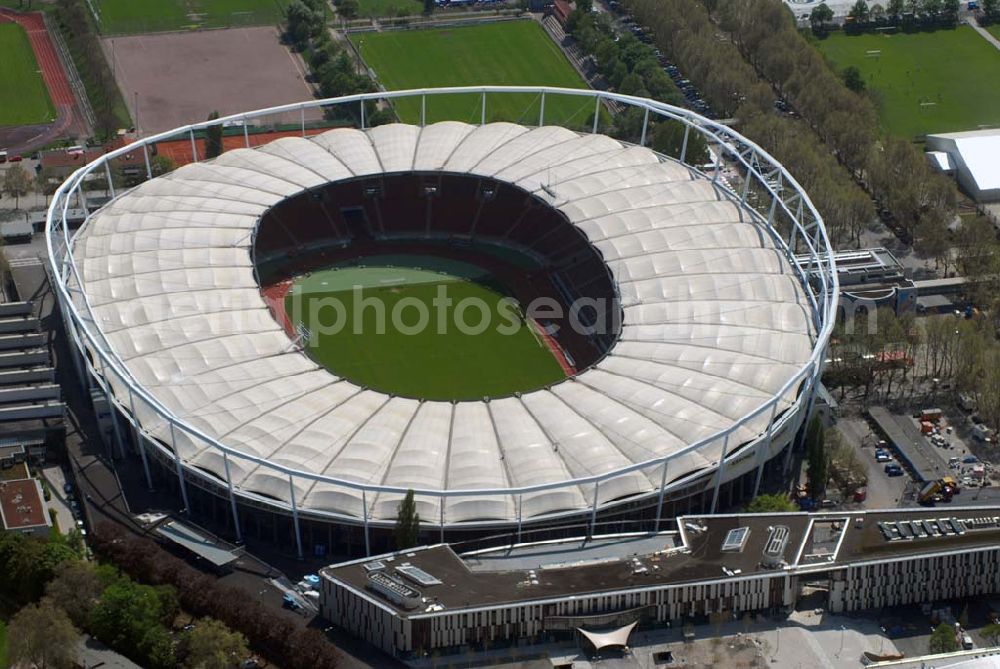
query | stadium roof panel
(715,323)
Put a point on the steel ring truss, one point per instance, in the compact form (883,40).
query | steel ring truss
(767,191)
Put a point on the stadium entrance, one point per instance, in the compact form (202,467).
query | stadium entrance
(436,286)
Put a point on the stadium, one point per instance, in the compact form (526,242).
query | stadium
(672,362)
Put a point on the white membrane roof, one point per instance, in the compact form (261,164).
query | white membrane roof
(715,323)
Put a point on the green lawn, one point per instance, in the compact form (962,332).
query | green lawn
(994,30)
(382,7)
(119,17)
(506,53)
(3,645)
(926,82)
(23,97)
(439,361)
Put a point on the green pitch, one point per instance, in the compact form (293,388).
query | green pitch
(511,53)
(122,17)
(926,82)
(23,97)
(393,353)
(382,7)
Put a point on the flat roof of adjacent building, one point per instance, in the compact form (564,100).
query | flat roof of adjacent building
(216,552)
(692,552)
(978,150)
(21,505)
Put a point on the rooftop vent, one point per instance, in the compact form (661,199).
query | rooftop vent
(394,590)
(374,566)
(736,539)
(774,549)
(417,575)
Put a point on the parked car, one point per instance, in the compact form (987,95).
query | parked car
(882,455)
(892,469)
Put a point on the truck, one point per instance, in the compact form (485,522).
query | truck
(927,493)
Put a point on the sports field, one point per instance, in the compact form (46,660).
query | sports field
(125,17)
(395,333)
(23,97)
(383,7)
(506,53)
(926,82)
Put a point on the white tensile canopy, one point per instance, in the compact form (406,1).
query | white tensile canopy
(616,638)
(715,323)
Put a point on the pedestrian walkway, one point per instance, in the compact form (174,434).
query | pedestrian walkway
(987,35)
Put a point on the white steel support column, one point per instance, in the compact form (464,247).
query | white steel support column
(684,144)
(180,469)
(645,127)
(295,516)
(194,147)
(593,510)
(659,504)
(111,182)
(746,183)
(232,497)
(441,519)
(302,120)
(482,111)
(113,413)
(137,433)
(74,345)
(246,133)
(145,155)
(105,385)
(720,474)
(423,110)
(364,512)
(597,113)
(362,102)
(520,506)
(765,449)
(541,113)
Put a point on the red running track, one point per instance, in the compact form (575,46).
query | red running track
(45,54)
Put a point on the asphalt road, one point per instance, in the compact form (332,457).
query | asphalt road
(884,492)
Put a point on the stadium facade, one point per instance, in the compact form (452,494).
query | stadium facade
(723,315)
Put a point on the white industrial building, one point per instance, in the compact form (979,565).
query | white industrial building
(974,158)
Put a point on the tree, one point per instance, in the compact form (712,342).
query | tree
(429,6)
(853,79)
(348,8)
(77,586)
(991,632)
(407,523)
(42,635)
(820,16)
(894,9)
(212,645)
(770,504)
(668,139)
(17,183)
(991,9)
(943,640)
(46,183)
(816,461)
(125,614)
(213,138)
(859,12)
